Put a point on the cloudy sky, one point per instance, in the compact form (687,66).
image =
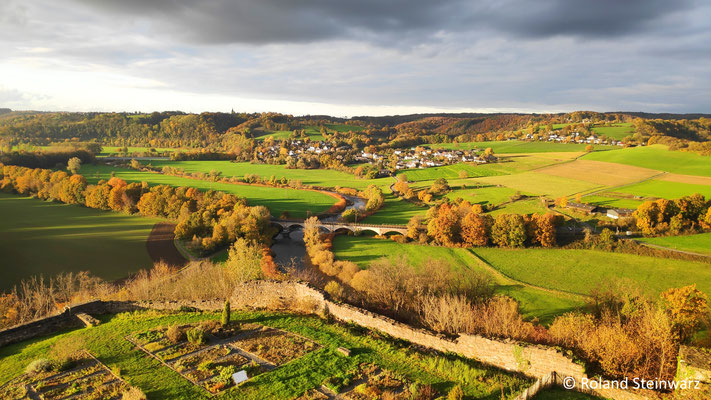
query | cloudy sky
(356,57)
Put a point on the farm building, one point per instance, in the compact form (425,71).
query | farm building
(616,213)
(581,207)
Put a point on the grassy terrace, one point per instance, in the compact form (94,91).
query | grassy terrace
(700,243)
(535,302)
(107,343)
(580,271)
(278,200)
(656,157)
(38,237)
(618,131)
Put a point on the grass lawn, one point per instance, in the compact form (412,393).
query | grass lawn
(665,189)
(581,271)
(519,146)
(700,243)
(39,237)
(107,343)
(278,200)
(534,302)
(657,157)
(617,131)
(317,177)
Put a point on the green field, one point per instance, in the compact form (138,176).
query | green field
(524,206)
(534,302)
(581,271)
(481,195)
(313,132)
(106,342)
(452,171)
(538,183)
(700,243)
(38,237)
(395,211)
(617,131)
(316,177)
(278,200)
(657,157)
(665,189)
(609,200)
(520,146)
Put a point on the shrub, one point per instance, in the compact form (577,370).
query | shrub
(196,336)
(456,393)
(175,334)
(38,365)
(226,373)
(334,289)
(133,393)
(225,320)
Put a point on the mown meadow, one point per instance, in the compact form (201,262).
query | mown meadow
(43,238)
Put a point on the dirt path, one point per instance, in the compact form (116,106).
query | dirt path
(160,245)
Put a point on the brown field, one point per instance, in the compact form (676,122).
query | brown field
(601,173)
(691,179)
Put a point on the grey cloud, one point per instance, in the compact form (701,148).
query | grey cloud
(288,21)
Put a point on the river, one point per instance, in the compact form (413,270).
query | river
(288,248)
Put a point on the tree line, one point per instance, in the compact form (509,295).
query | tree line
(688,214)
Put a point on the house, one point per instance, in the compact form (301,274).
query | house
(617,213)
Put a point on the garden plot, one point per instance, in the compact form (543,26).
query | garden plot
(275,346)
(208,354)
(370,381)
(88,380)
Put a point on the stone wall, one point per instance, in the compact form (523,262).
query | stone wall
(531,360)
(67,318)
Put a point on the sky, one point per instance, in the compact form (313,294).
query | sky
(360,57)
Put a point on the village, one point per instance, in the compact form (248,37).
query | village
(302,154)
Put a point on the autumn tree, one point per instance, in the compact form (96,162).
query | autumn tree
(439,186)
(74,164)
(445,227)
(688,308)
(414,225)
(509,230)
(544,229)
(475,229)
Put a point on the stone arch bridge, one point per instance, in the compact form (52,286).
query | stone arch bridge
(352,227)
